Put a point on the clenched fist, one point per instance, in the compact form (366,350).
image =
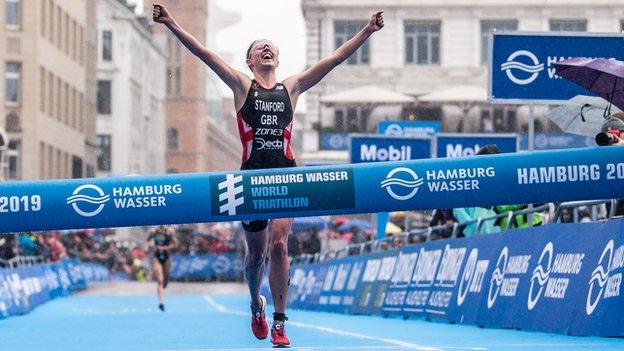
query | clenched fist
(160,14)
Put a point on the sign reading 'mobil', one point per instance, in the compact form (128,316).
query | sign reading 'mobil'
(543,176)
(521,64)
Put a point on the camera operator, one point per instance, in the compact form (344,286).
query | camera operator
(612,131)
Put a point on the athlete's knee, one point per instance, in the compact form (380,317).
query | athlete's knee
(255,260)
(279,248)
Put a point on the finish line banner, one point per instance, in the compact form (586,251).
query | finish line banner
(551,278)
(543,176)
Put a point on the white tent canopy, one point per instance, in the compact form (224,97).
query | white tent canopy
(367,94)
(462,94)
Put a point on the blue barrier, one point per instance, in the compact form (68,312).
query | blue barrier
(561,278)
(544,176)
(227,266)
(24,288)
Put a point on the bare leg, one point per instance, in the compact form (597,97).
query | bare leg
(159,276)
(280,267)
(166,272)
(257,243)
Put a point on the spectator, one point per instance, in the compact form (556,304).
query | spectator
(443,216)
(7,247)
(468,214)
(313,244)
(518,221)
(28,244)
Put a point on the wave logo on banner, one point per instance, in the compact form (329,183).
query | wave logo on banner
(230,194)
(608,283)
(540,275)
(498,277)
(394,130)
(409,180)
(82,194)
(511,65)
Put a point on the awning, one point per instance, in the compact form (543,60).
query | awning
(367,94)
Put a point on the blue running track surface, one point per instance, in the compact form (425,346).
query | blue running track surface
(222,323)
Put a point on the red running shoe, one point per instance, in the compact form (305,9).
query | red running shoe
(278,336)
(259,325)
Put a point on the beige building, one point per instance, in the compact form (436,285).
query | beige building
(427,46)
(47,54)
(197,139)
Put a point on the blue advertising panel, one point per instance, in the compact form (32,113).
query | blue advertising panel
(227,266)
(548,278)
(412,129)
(24,288)
(554,140)
(521,64)
(375,148)
(462,145)
(540,176)
(333,141)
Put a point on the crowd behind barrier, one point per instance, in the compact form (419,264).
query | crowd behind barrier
(25,287)
(421,230)
(126,260)
(545,278)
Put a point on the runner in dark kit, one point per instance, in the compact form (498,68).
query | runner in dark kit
(164,241)
(265,115)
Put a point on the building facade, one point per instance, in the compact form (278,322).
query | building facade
(47,88)
(427,46)
(130,93)
(197,138)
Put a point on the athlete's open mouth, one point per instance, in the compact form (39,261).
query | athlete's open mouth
(267,55)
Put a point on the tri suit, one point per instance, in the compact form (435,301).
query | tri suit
(265,127)
(161,239)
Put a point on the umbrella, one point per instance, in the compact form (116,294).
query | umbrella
(603,77)
(582,115)
(355,223)
(306,223)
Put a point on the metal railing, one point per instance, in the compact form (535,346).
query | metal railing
(19,261)
(552,215)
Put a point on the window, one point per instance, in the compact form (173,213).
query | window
(345,30)
(104,152)
(172,139)
(12,73)
(579,25)
(13,14)
(13,154)
(104,97)
(350,120)
(107,45)
(76,167)
(498,119)
(422,43)
(13,123)
(487,27)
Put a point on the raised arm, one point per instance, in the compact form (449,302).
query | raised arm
(307,79)
(233,78)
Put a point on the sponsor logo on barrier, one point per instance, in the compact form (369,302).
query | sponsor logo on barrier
(232,189)
(458,179)
(401,277)
(602,279)
(88,200)
(329,278)
(558,174)
(512,65)
(550,276)
(472,278)
(82,195)
(422,279)
(409,180)
(506,275)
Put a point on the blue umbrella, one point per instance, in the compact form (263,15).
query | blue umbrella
(355,223)
(306,223)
